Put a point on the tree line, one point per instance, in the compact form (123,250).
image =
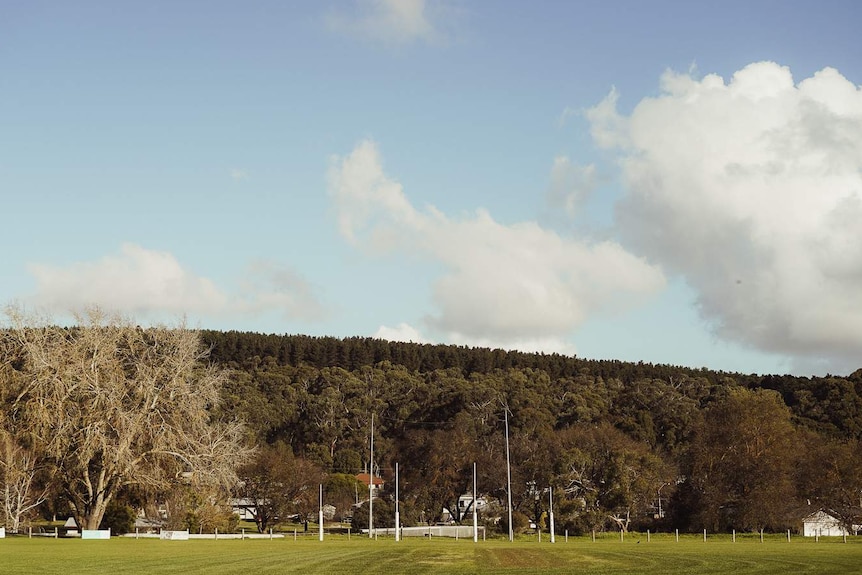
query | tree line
(621,444)
(106,417)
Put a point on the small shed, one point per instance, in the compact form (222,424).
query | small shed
(71,526)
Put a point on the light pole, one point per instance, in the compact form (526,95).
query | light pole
(475,510)
(320,513)
(509,475)
(371,485)
(397,513)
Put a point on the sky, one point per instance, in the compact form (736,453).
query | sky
(671,182)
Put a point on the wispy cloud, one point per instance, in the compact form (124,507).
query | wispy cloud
(392,21)
(237,174)
(570,185)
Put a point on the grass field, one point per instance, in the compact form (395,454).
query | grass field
(337,554)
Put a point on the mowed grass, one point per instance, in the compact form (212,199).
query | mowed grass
(337,554)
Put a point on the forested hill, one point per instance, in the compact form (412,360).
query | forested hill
(830,404)
(722,450)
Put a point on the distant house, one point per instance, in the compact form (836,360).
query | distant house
(822,524)
(465,508)
(365,479)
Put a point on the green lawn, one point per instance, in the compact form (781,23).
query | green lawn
(607,555)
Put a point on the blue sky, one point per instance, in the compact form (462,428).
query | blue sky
(673,182)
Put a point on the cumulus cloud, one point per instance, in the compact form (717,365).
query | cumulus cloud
(502,283)
(391,21)
(147,282)
(751,188)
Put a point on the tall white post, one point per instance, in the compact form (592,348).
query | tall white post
(371,485)
(551,497)
(475,510)
(509,476)
(320,513)
(397,510)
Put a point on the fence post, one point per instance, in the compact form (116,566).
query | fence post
(55,532)
(677,535)
(567,535)
(761,535)
(647,536)
(788,535)
(594,535)
(734,535)
(704,535)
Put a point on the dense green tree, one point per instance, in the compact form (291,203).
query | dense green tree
(741,462)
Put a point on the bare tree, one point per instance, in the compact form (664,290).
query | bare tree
(21,492)
(111,404)
(20,464)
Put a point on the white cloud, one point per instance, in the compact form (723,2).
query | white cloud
(752,190)
(147,282)
(237,174)
(408,333)
(502,283)
(391,21)
(401,332)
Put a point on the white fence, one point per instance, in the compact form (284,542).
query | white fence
(454,531)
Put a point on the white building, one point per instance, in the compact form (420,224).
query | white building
(822,524)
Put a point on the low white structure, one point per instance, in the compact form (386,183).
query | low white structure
(822,524)
(2,532)
(95,533)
